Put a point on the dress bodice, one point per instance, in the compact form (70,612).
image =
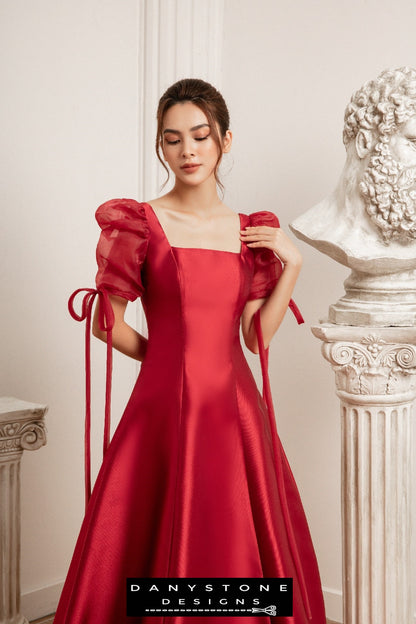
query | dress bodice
(205,291)
(135,259)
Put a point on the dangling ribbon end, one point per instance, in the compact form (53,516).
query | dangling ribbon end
(278,462)
(106,323)
(297,313)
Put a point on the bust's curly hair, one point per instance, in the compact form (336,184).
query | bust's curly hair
(381,105)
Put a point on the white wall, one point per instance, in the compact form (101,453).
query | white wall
(70,140)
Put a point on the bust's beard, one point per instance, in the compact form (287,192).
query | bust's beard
(389,191)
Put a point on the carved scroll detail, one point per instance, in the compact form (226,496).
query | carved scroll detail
(22,435)
(372,366)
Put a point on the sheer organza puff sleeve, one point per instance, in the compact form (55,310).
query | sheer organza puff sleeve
(267,266)
(121,252)
(122,247)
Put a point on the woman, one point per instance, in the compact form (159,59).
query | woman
(195,482)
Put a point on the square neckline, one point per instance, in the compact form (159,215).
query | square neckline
(235,253)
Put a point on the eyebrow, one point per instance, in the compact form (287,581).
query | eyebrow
(192,129)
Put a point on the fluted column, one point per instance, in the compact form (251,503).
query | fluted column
(21,428)
(375,375)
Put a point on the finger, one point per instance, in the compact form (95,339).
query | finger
(261,243)
(260,231)
(258,228)
(247,237)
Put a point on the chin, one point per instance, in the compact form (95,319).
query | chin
(192,181)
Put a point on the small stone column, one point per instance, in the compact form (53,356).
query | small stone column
(21,428)
(375,376)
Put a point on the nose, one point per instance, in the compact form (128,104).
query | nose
(187,149)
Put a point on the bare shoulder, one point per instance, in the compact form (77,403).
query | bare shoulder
(158,202)
(165,203)
(226,211)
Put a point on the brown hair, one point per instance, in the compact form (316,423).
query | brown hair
(208,99)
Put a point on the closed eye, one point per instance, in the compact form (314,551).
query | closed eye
(176,141)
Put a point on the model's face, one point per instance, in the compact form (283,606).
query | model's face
(188,145)
(403,143)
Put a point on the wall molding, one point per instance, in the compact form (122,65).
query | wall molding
(41,601)
(333,604)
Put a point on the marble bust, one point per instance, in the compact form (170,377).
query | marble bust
(369,222)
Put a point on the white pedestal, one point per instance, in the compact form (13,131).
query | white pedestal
(375,374)
(21,428)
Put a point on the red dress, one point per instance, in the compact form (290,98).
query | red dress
(195,482)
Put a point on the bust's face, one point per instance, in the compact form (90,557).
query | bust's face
(403,143)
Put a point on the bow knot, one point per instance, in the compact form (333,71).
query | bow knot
(106,314)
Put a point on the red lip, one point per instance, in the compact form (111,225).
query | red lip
(190,166)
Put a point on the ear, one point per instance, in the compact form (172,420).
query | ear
(227,141)
(363,143)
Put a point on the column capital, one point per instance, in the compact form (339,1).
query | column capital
(22,427)
(372,365)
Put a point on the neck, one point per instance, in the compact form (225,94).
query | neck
(197,199)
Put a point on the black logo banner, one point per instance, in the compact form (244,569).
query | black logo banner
(209,596)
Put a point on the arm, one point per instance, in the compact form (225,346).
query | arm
(125,338)
(273,308)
